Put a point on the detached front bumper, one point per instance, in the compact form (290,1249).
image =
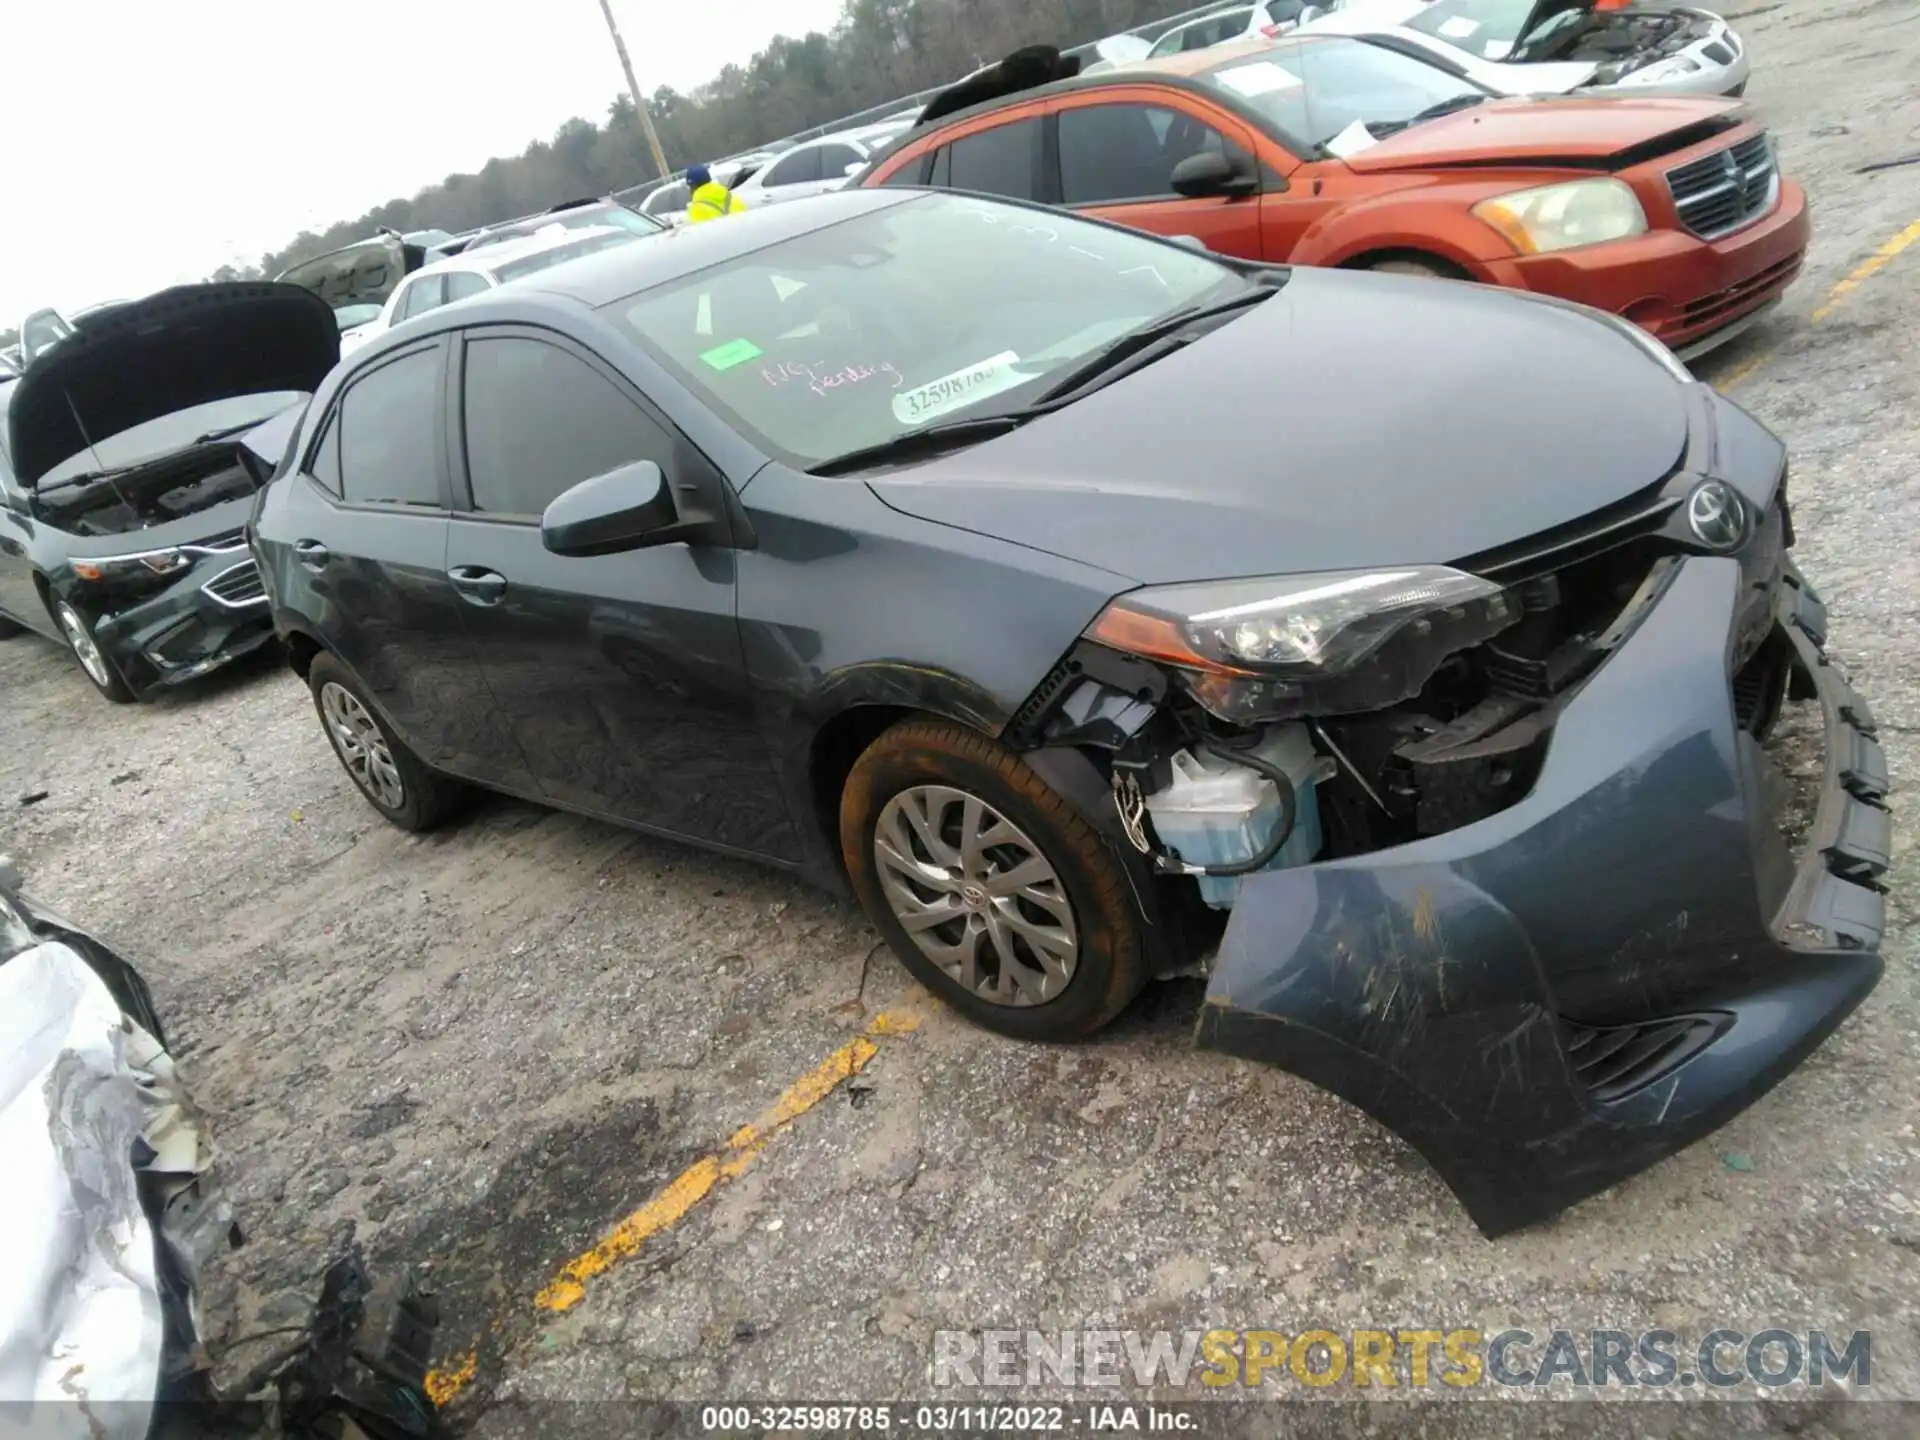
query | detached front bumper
(212,615)
(1554,998)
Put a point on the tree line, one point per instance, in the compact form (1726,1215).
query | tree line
(879,51)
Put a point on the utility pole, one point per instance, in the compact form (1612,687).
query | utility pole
(633,86)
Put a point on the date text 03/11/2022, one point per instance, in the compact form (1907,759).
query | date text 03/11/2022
(940,1419)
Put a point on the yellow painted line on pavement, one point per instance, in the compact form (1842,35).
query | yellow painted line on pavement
(1861,273)
(693,1185)
(1868,268)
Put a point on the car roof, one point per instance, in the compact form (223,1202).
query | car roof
(596,280)
(492,257)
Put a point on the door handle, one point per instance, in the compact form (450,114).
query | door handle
(479,586)
(312,553)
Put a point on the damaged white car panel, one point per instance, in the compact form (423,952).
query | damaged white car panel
(1556,47)
(110,1200)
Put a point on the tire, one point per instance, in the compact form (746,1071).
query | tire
(1083,911)
(94,662)
(390,777)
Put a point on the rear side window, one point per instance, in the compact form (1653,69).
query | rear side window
(423,295)
(1000,161)
(540,420)
(389,424)
(326,457)
(464,285)
(795,169)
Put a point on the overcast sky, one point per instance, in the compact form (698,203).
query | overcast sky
(148,142)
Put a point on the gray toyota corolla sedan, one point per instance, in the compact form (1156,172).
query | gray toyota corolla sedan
(1414,659)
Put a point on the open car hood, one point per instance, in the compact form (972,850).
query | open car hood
(365,273)
(188,346)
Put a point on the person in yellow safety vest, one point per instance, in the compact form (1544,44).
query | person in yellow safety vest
(710,199)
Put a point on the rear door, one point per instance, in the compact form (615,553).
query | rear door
(366,522)
(1117,151)
(620,676)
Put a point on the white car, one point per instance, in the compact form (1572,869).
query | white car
(668,202)
(816,166)
(1551,47)
(463,276)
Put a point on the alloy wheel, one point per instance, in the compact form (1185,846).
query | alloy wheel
(976,895)
(84,648)
(361,746)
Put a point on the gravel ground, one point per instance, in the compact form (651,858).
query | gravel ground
(480,1049)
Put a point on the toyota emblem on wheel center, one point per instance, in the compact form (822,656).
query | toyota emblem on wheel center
(1716,516)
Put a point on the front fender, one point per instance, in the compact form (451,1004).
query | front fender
(1436,219)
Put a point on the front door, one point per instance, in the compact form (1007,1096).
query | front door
(620,676)
(1117,159)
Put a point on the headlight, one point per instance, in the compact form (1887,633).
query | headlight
(1676,67)
(1559,217)
(131,567)
(1323,644)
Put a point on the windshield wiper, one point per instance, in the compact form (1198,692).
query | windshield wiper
(927,440)
(226,430)
(1432,112)
(1132,351)
(1151,342)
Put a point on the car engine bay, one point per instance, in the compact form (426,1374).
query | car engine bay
(154,494)
(1621,40)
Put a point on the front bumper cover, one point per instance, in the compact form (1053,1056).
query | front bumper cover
(213,614)
(1641,903)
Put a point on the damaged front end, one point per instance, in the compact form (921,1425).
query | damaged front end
(1634,45)
(1506,852)
(113,1210)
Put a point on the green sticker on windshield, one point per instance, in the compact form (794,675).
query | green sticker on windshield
(734,352)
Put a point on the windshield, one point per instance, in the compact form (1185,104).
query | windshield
(587,245)
(1487,28)
(851,335)
(178,431)
(348,316)
(1330,96)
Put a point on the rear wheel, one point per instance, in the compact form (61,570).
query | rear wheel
(95,663)
(993,891)
(392,778)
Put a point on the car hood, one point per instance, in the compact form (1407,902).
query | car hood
(1585,131)
(1353,420)
(188,346)
(361,274)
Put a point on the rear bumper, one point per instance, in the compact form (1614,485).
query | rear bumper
(209,617)
(1685,291)
(1554,998)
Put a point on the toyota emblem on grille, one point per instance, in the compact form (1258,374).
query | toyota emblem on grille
(1716,516)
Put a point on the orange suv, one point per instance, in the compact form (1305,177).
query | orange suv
(1342,150)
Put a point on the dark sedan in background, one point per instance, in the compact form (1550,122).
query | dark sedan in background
(1095,608)
(133,451)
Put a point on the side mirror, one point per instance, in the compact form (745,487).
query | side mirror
(1210,173)
(630,508)
(854,169)
(1192,242)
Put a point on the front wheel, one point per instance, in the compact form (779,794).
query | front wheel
(94,662)
(994,892)
(392,778)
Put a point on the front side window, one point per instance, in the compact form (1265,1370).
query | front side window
(540,420)
(834,160)
(1111,153)
(389,422)
(325,466)
(465,284)
(850,335)
(1332,95)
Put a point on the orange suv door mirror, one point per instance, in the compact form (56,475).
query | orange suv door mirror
(1211,173)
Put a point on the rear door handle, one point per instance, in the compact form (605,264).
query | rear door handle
(479,586)
(312,553)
